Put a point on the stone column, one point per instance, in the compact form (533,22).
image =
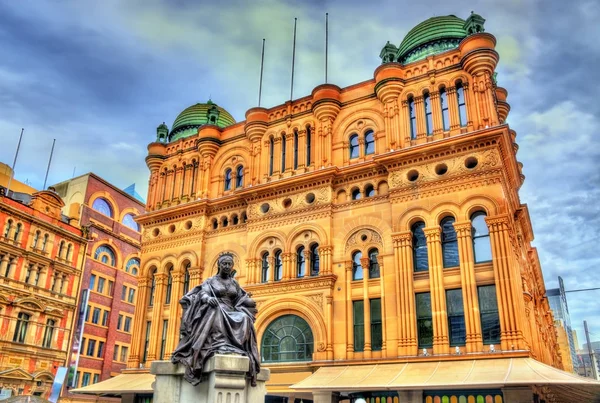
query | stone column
(508,295)
(412,396)
(256,163)
(349,313)
(477,103)
(407,318)
(474,342)
(405,133)
(469,104)
(141,307)
(302,150)
(325,255)
(289,151)
(453,110)
(288,258)
(195,276)
(157,309)
(277,150)
(420,114)
(271,260)
(436,112)
(5,270)
(329,347)
(383,316)
(265,159)
(361,147)
(367,307)
(174,313)
(518,394)
(438,294)
(325,397)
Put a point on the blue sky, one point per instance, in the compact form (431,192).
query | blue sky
(99,76)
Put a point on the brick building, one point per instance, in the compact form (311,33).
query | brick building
(110,273)
(41,259)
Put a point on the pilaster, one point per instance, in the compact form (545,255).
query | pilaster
(367,307)
(407,318)
(474,341)
(141,308)
(438,294)
(159,297)
(349,313)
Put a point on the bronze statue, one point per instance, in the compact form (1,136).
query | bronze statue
(218,318)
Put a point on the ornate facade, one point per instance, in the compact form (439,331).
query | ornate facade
(41,259)
(110,274)
(377,223)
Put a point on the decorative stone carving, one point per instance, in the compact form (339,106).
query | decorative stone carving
(364,237)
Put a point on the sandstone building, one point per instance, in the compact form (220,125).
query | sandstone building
(378,227)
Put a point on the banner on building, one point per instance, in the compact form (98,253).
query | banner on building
(59,379)
(77,336)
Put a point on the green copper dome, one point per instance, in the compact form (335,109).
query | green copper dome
(188,121)
(435,35)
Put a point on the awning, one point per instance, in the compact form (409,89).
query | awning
(455,374)
(121,384)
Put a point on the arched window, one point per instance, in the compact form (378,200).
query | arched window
(295,148)
(215,223)
(445,113)
(462,106)
(102,206)
(300,262)
(17,232)
(412,117)
(419,246)
(315,261)
(235,220)
(278,265)
(373,263)
(152,287)
(283,152)
(130,222)
(449,243)
(369,142)
(287,338)
(428,114)
(45,242)
(354,146)
(69,252)
(308,145)
(8,228)
(228,179)
(225,222)
(356,194)
(239,177)
(369,191)
(186,279)
(169,287)
(61,247)
(48,333)
(482,249)
(271,148)
(132,266)
(265,268)
(357,271)
(36,239)
(21,328)
(244,217)
(106,255)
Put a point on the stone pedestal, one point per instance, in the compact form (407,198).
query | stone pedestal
(224,380)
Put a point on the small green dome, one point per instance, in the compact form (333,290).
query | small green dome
(188,121)
(435,35)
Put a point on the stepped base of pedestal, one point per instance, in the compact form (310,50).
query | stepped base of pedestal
(224,380)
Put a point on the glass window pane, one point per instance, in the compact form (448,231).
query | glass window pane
(102,206)
(454,302)
(369,143)
(287,338)
(359,327)
(420,260)
(130,222)
(357,271)
(449,243)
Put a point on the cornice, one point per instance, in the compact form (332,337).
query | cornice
(324,282)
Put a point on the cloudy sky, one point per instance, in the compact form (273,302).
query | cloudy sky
(99,76)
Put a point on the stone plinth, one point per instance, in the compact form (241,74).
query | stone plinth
(224,380)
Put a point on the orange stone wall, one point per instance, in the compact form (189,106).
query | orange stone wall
(192,218)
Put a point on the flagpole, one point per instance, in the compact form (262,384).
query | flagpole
(49,162)
(262,63)
(293,61)
(12,172)
(326,43)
